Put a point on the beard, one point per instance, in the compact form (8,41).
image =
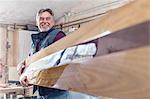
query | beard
(45,27)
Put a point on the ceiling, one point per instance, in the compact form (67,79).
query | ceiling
(23,11)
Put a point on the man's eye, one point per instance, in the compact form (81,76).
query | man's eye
(48,18)
(41,18)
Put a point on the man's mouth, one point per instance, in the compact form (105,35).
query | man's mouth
(45,25)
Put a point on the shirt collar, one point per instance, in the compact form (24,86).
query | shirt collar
(41,35)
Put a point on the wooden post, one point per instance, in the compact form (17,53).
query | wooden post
(3,54)
(15,48)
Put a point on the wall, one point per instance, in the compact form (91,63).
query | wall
(24,43)
(20,47)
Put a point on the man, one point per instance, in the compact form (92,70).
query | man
(46,36)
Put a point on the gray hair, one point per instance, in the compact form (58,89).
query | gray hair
(44,10)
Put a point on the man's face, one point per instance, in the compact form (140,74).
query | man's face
(45,21)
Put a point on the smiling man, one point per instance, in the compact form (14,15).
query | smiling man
(46,36)
(45,20)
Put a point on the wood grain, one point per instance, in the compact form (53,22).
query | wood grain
(124,75)
(49,76)
(126,39)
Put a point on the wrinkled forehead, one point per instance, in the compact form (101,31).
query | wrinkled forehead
(45,14)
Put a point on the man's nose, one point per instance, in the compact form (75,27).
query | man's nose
(44,20)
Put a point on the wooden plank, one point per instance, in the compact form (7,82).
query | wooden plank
(131,14)
(129,38)
(12,89)
(49,76)
(123,75)
(120,72)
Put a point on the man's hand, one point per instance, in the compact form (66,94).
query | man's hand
(24,81)
(21,67)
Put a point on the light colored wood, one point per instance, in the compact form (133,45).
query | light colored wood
(125,75)
(3,55)
(128,15)
(15,47)
(11,89)
(49,76)
(10,49)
